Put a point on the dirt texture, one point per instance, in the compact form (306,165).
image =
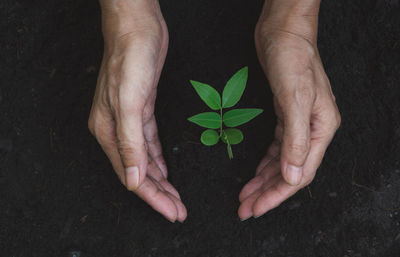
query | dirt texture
(60,197)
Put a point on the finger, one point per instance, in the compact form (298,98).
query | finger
(279,190)
(182,212)
(323,129)
(272,153)
(131,143)
(180,207)
(248,203)
(315,157)
(104,131)
(245,210)
(150,193)
(279,131)
(169,188)
(276,189)
(113,155)
(269,171)
(136,84)
(154,145)
(154,172)
(296,106)
(157,199)
(273,197)
(251,187)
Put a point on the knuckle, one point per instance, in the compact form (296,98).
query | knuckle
(298,151)
(338,120)
(152,139)
(297,148)
(125,148)
(148,112)
(334,122)
(91,126)
(94,126)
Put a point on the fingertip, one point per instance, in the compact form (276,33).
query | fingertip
(244,212)
(132,178)
(172,220)
(293,174)
(181,210)
(182,214)
(171,214)
(135,175)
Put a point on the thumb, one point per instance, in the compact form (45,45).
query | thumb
(131,146)
(295,140)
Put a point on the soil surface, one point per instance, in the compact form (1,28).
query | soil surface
(60,197)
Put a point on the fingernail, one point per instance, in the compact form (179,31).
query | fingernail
(172,221)
(294,174)
(132,174)
(244,219)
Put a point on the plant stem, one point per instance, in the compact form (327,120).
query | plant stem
(230,153)
(221,133)
(220,128)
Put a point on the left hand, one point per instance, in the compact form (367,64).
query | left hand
(122,116)
(307,119)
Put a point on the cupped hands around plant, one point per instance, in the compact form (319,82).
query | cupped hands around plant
(307,113)
(217,121)
(122,115)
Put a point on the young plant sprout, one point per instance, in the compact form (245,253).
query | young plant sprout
(215,122)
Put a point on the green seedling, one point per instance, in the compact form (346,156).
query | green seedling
(222,125)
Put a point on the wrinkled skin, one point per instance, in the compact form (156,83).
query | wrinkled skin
(307,119)
(122,115)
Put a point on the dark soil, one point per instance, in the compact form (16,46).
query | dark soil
(60,197)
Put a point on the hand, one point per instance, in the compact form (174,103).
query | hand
(122,116)
(307,118)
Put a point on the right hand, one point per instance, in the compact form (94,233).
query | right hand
(122,115)
(308,116)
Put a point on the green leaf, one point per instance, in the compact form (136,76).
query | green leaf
(238,117)
(208,94)
(234,88)
(207,120)
(233,135)
(209,137)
